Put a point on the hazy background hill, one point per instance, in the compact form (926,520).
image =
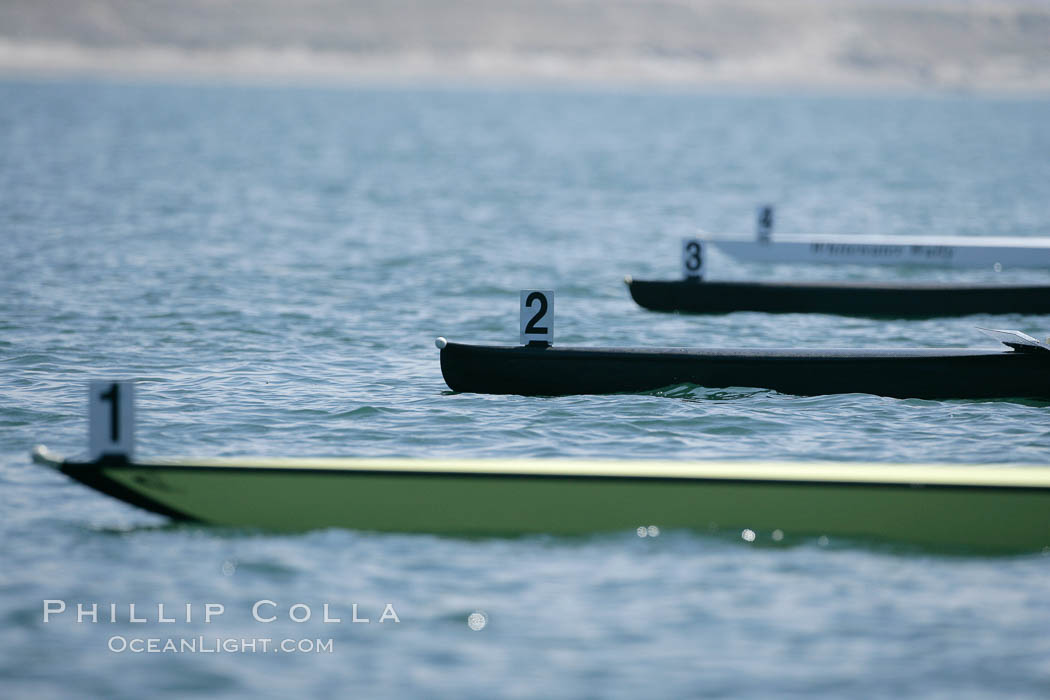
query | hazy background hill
(984,45)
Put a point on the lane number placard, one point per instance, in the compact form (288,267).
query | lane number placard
(693,258)
(536,321)
(764,223)
(111,419)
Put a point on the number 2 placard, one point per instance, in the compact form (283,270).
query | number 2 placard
(692,258)
(537,316)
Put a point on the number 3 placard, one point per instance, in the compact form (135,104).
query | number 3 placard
(692,258)
(537,316)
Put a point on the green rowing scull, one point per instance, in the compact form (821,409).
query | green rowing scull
(971,508)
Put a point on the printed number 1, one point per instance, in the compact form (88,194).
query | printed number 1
(113,396)
(531,326)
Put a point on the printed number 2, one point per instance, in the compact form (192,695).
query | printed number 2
(531,326)
(113,396)
(536,316)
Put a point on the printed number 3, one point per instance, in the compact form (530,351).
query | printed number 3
(531,326)
(692,261)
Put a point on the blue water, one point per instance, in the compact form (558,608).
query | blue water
(273,265)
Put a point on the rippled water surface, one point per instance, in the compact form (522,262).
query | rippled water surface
(273,265)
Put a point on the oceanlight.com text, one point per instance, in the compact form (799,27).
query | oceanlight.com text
(119,644)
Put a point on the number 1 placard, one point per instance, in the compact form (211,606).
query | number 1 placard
(693,261)
(111,419)
(537,316)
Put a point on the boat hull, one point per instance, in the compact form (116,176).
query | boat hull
(921,373)
(846,298)
(974,508)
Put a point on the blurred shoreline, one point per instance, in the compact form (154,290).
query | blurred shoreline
(949,46)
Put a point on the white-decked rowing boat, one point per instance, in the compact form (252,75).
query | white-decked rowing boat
(937,251)
(993,252)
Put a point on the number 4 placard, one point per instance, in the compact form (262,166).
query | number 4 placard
(764,223)
(693,261)
(537,316)
(111,419)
